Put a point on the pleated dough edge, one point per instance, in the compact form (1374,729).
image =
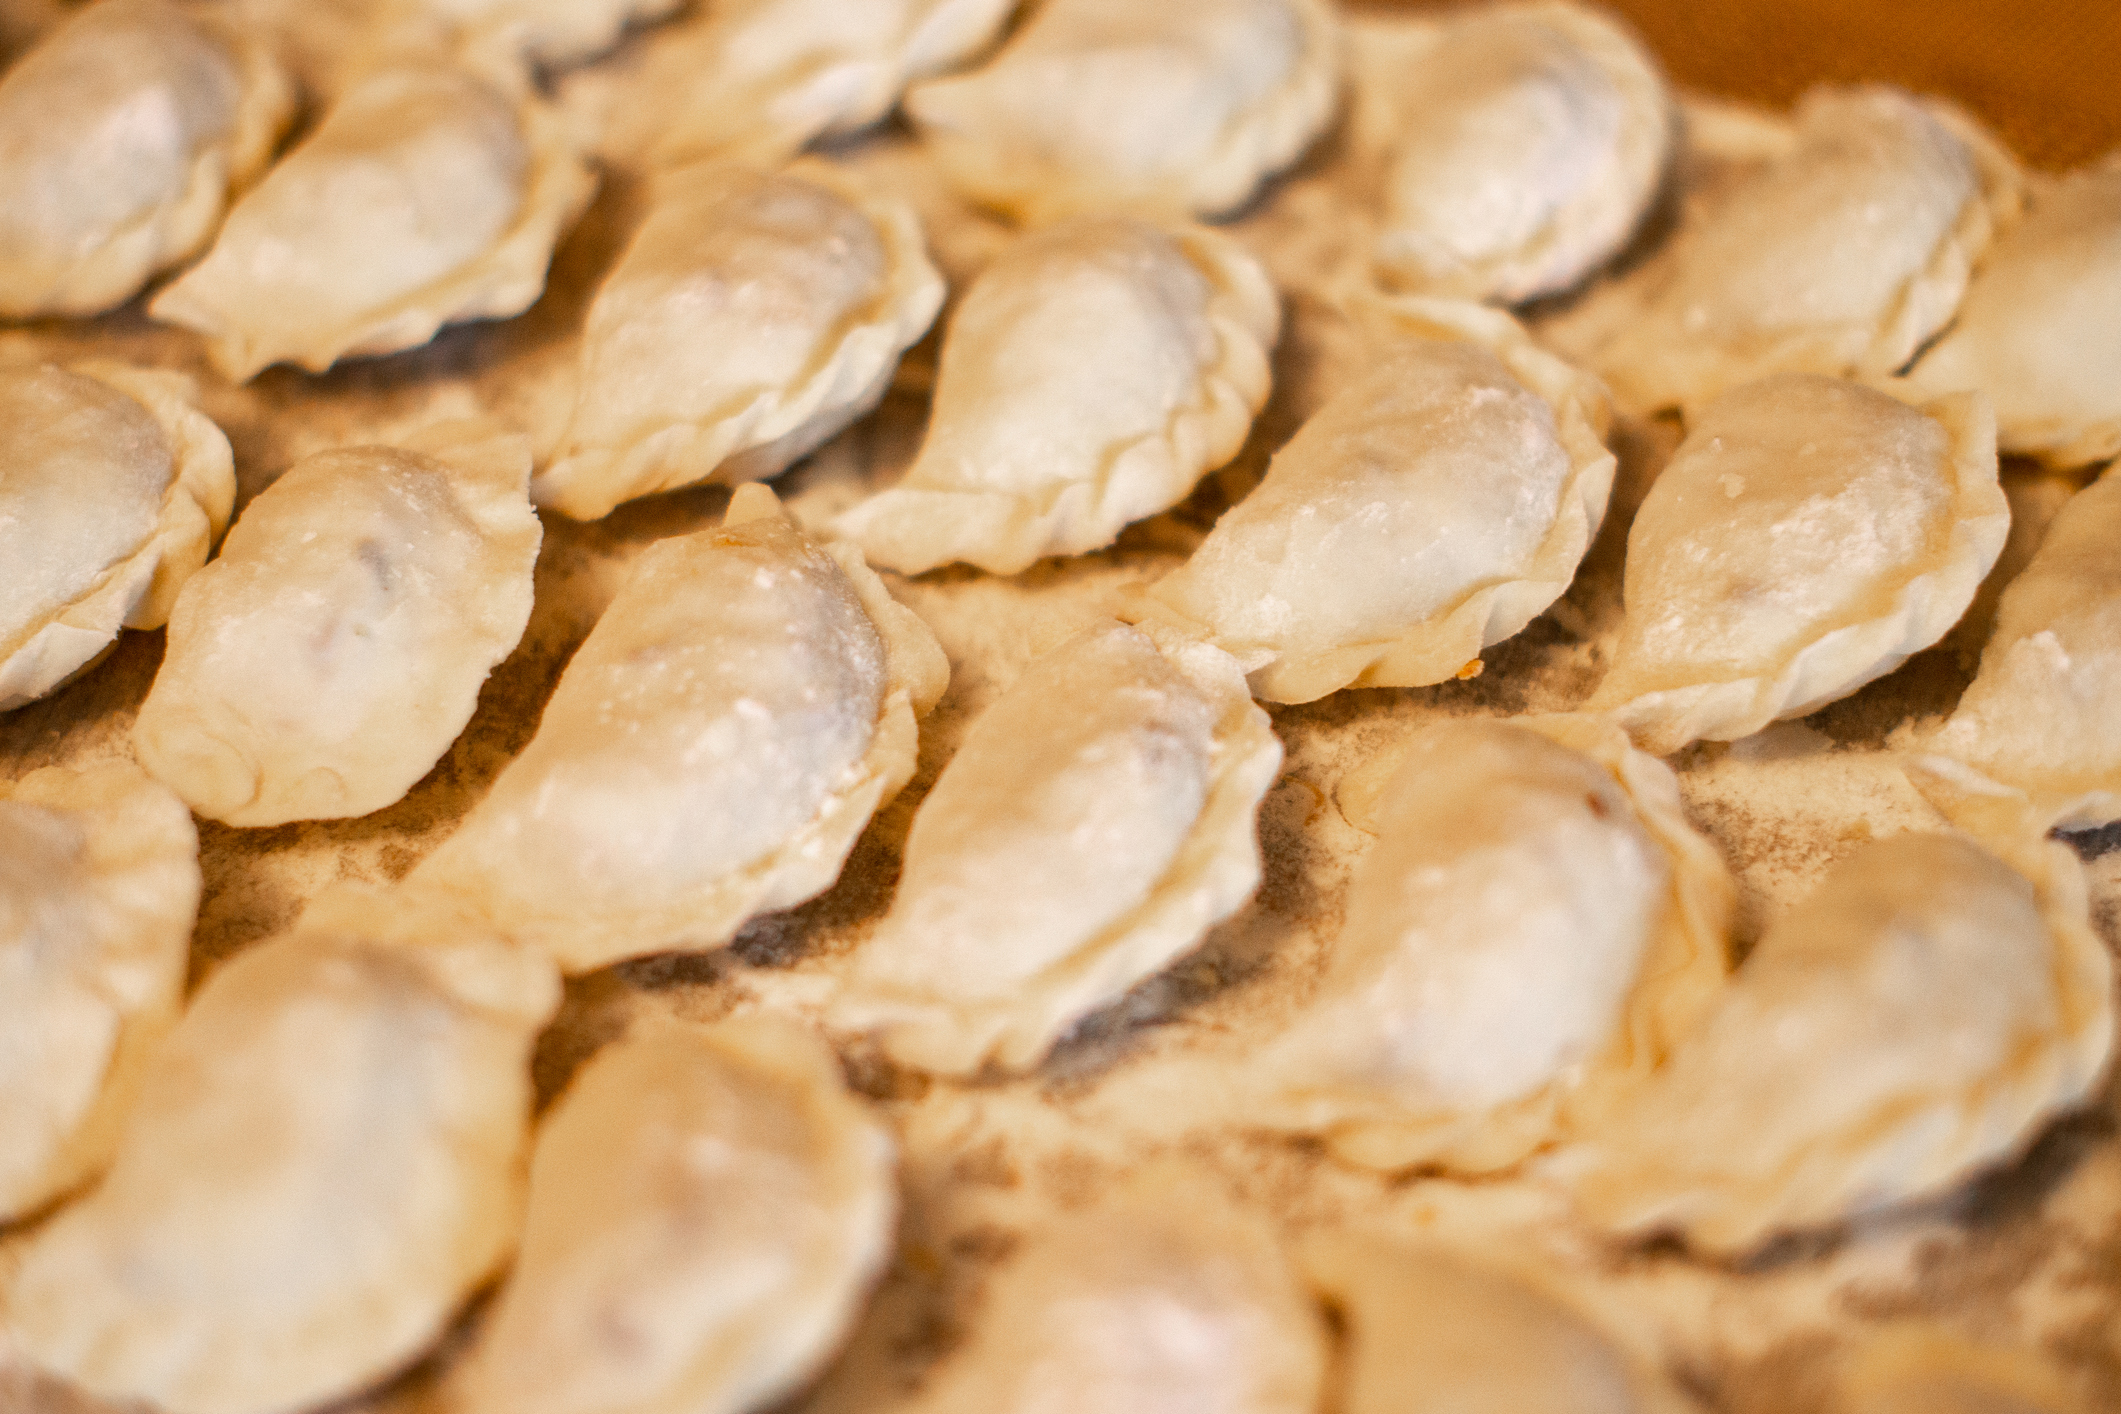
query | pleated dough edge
(138,591)
(502,282)
(1213,874)
(1922,610)
(913,529)
(765,437)
(1562,255)
(1682,971)
(1449,643)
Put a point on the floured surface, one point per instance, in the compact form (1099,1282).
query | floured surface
(2030,1256)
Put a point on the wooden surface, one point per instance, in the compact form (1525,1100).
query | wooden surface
(2046,76)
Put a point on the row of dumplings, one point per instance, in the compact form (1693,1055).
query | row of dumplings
(1503,154)
(1871,518)
(616,879)
(749,699)
(293,1187)
(1959,995)
(603,460)
(1808,536)
(1101,365)
(435,183)
(612,834)
(701,1215)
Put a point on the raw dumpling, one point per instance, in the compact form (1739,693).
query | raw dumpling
(112,489)
(1536,927)
(764,77)
(552,32)
(99,882)
(2043,715)
(1432,1332)
(324,1162)
(712,751)
(1091,375)
(1096,822)
(1163,1296)
(1530,142)
(1918,1017)
(707,1211)
(2040,331)
(328,658)
(1808,535)
(425,196)
(1841,257)
(1434,506)
(123,137)
(1113,102)
(752,316)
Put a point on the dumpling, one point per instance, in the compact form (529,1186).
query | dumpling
(99,882)
(1432,1332)
(123,136)
(1916,1018)
(2043,715)
(1162,1295)
(708,1208)
(328,658)
(2040,330)
(554,32)
(1841,257)
(764,77)
(1111,103)
(1433,507)
(1807,537)
(713,750)
(1097,820)
(425,196)
(1535,928)
(112,490)
(1092,374)
(753,316)
(324,1162)
(1531,140)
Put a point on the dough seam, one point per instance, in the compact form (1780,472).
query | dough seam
(1919,609)
(762,438)
(919,528)
(1215,869)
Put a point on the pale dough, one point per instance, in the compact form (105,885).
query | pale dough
(1808,536)
(1431,508)
(2043,715)
(324,1162)
(1917,1018)
(99,882)
(124,135)
(1103,103)
(1115,788)
(1842,255)
(712,751)
(113,488)
(2040,329)
(1090,376)
(752,316)
(326,660)
(1534,930)
(1527,145)
(708,1208)
(426,195)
